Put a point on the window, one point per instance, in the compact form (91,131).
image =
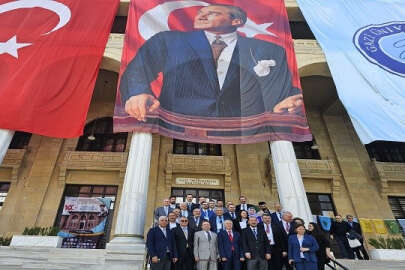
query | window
(209,194)
(20,140)
(192,148)
(398,209)
(321,204)
(98,136)
(397,206)
(4,187)
(386,151)
(306,150)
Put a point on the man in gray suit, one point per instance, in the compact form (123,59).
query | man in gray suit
(163,210)
(206,248)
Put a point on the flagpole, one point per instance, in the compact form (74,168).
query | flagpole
(290,186)
(6,136)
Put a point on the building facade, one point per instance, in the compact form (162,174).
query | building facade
(339,173)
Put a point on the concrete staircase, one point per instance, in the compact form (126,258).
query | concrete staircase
(78,259)
(100,259)
(373,265)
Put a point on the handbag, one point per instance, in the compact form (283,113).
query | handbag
(353,243)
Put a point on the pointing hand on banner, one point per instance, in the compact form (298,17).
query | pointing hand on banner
(290,104)
(138,106)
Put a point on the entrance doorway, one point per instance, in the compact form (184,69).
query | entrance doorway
(209,194)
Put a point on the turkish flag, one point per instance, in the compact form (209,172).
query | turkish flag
(50,53)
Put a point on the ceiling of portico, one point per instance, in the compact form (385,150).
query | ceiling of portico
(319,92)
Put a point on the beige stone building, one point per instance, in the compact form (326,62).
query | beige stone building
(340,174)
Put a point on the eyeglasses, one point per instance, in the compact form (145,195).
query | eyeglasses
(183,220)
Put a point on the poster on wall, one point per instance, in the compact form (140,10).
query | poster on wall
(213,71)
(83,222)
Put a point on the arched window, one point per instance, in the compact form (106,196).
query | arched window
(20,140)
(192,148)
(98,136)
(306,150)
(384,151)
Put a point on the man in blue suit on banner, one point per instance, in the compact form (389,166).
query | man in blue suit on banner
(210,72)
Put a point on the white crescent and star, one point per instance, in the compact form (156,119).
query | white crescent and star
(11,46)
(148,24)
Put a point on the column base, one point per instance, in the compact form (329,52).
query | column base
(128,245)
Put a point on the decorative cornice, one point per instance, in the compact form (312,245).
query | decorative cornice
(385,172)
(198,164)
(318,169)
(93,161)
(13,160)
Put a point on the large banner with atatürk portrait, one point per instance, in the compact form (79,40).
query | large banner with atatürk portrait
(210,71)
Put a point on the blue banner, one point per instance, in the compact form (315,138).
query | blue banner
(364,44)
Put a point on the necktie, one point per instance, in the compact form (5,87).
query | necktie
(268,231)
(287,227)
(185,233)
(254,232)
(217,47)
(166,210)
(230,238)
(164,232)
(209,236)
(233,215)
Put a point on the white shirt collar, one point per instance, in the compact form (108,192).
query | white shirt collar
(227,38)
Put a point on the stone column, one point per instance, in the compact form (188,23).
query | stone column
(289,181)
(129,228)
(5,139)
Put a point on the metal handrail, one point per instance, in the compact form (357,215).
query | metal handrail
(337,263)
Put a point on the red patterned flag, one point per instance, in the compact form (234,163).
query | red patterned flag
(215,71)
(50,52)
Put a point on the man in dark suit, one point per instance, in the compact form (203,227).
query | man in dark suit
(182,246)
(195,221)
(277,215)
(210,72)
(164,210)
(173,203)
(256,246)
(158,243)
(356,227)
(276,240)
(205,211)
(243,204)
(232,215)
(230,247)
(184,212)
(217,220)
(339,231)
(286,227)
(190,204)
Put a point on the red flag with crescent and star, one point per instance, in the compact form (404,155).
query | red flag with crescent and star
(50,53)
(171,84)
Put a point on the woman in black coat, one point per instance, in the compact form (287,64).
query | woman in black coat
(323,254)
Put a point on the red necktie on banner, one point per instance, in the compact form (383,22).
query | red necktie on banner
(50,52)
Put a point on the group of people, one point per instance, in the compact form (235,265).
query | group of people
(210,236)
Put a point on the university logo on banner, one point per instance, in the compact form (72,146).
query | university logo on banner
(50,52)
(364,44)
(383,45)
(210,71)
